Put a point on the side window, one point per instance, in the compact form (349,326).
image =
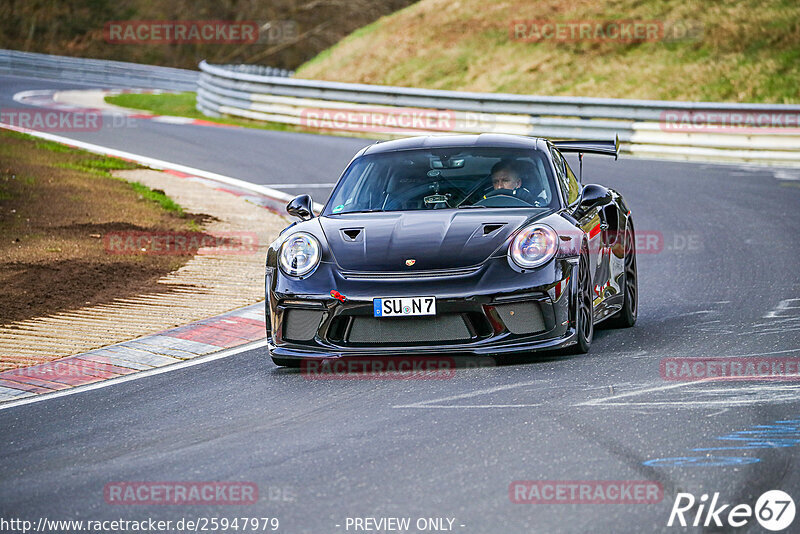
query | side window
(345,199)
(573,187)
(561,173)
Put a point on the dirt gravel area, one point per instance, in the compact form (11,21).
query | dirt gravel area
(56,204)
(79,275)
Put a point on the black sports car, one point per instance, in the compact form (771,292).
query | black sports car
(475,244)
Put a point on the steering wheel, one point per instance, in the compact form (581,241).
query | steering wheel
(503,192)
(502,198)
(415,192)
(482,187)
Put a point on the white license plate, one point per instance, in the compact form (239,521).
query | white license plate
(404,306)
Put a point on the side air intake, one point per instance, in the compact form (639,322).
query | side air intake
(352,234)
(490,228)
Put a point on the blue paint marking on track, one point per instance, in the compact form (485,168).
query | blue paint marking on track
(783,433)
(701,461)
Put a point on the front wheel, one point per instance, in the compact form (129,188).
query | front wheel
(626,317)
(584,309)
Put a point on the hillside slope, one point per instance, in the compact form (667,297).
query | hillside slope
(298,29)
(717,50)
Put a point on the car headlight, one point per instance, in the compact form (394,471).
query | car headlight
(534,246)
(300,254)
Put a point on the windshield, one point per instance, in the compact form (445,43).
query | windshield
(451,178)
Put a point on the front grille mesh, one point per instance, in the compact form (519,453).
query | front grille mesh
(394,330)
(301,325)
(522,317)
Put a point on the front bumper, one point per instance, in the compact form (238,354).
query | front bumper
(475,312)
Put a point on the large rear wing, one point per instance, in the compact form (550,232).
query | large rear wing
(607,148)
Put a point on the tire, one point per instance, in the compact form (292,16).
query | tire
(626,317)
(584,309)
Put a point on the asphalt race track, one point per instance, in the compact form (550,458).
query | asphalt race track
(719,284)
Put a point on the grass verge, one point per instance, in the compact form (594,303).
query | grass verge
(57,205)
(726,50)
(183,105)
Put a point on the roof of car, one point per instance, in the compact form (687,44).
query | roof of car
(448,141)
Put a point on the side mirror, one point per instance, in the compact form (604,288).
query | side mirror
(592,196)
(301,207)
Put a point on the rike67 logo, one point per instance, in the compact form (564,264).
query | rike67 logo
(774,511)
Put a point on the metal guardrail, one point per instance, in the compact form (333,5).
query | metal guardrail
(261,70)
(651,128)
(268,94)
(97,71)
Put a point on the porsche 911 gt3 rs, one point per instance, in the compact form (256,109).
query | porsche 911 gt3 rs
(483,245)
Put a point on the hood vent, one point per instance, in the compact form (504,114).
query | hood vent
(352,234)
(490,228)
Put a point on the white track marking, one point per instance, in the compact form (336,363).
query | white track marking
(774,322)
(135,376)
(487,391)
(663,387)
(293,186)
(771,331)
(168,119)
(612,400)
(796,349)
(694,404)
(634,354)
(787,175)
(739,393)
(737,396)
(155,163)
(784,306)
(479,406)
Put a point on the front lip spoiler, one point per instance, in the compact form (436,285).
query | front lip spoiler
(397,351)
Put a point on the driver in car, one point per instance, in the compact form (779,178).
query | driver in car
(507,179)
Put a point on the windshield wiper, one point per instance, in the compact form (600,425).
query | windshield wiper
(468,206)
